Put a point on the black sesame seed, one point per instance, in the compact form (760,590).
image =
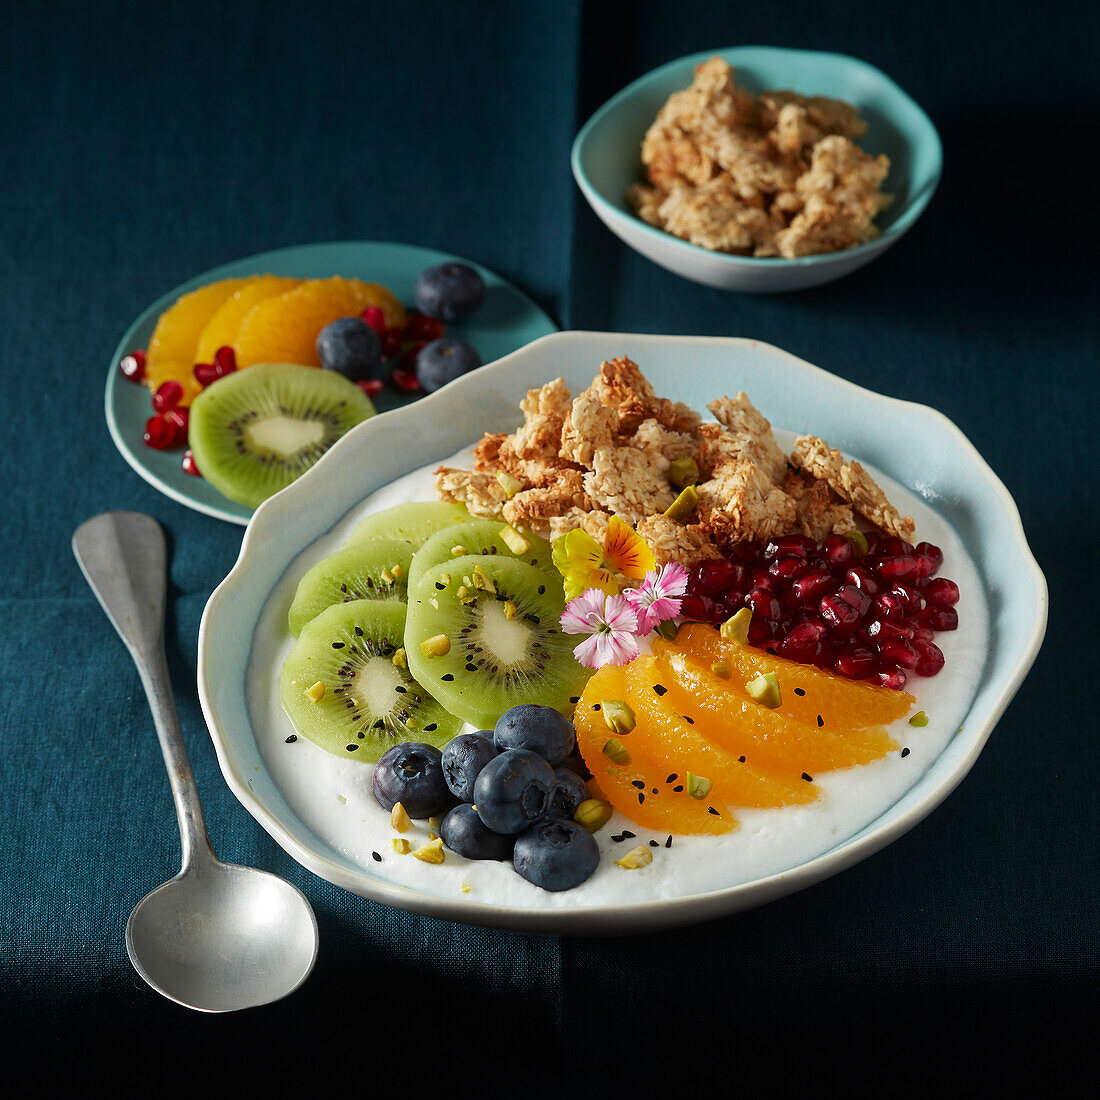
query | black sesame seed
(361,735)
(678,788)
(808,778)
(770,650)
(690,721)
(638,783)
(655,791)
(440,586)
(447,676)
(378,724)
(402,689)
(820,721)
(671,778)
(292,738)
(904,752)
(595,706)
(359,632)
(470,667)
(740,760)
(542,589)
(668,843)
(800,691)
(430,727)
(712,810)
(574,698)
(660,689)
(352,748)
(641,798)
(628,835)
(376,857)
(337,645)
(654,844)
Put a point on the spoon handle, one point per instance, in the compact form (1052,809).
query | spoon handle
(124,559)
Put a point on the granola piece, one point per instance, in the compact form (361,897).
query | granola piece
(819,512)
(481,492)
(535,507)
(741,503)
(748,435)
(793,133)
(830,116)
(627,482)
(538,439)
(660,442)
(487,452)
(646,203)
(590,424)
(715,216)
(620,385)
(594,522)
(851,482)
(672,541)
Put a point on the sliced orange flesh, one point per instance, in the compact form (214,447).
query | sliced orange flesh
(842,704)
(171,350)
(766,738)
(675,744)
(284,329)
(664,811)
(222,329)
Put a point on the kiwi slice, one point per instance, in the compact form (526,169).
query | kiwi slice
(413,522)
(377,570)
(254,431)
(494,646)
(487,537)
(343,691)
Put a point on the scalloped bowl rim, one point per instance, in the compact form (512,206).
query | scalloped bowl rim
(277,515)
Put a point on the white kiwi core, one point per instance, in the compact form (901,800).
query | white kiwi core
(285,435)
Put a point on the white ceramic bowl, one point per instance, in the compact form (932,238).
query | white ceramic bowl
(914,445)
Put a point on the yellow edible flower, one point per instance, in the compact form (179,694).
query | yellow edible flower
(584,564)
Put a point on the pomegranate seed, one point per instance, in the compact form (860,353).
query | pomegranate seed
(922,633)
(761,631)
(788,567)
(733,599)
(939,618)
(374,317)
(392,339)
(225,359)
(902,568)
(190,467)
(931,659)
(837,550)
(894,547)
(702,609)
(420,327)
(890,606)
(180,419)
(763,604)
(857,662)
(371,386)
(132,366)
(804,643)
(168,395)
(941,592)
(861,578)
(406,361)
(881,630)
(898,652)
(811,587)
(933,553)
(205,374)
(748,553)
(405,380)
(716,576)
(858,599)
(910,598)
(159,434)
(789,544)
(892,678)
(760,578)
(838,614)
(874,543)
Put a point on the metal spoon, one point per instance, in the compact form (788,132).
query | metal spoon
(217,937)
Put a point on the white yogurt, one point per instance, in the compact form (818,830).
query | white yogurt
(331,795)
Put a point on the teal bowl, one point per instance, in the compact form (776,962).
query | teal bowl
(606,160)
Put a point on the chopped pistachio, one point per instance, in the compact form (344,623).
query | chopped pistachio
(398,572)
(736,627)
(465,595)
(618,715)
(317,692)
(458,551)
(401,846)
(919,719)
(697,786)
(465,887)
(616,752)
(438,645)
(635,858)
(444,579)
(683,472)
(593,814)
(434,602)
(765,690)
(483,581)
(721,669)
(682,507)
(510,610)
(433,824)
(399,819)
(386,576)
(510,485)
(399,658)
(514,540)
(411,724)
(432,852)
(859,542)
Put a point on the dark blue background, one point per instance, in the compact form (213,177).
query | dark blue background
(143,144)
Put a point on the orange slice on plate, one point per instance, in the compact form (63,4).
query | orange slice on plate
(222,329)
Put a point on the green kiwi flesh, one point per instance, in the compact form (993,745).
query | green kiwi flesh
(256,430)
(369,703)
(493,662)
(413,522)
(479,536)
(376,570)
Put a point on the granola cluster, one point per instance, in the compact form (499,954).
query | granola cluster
(777,174)
(576,462)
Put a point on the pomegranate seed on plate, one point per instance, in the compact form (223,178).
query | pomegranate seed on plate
(789,544)
(803,643)
(837,550)
(132,366)
(812,586)
(939,618)
(371,386)
(902,568)
(857,662)
(392,339)
(761,631)
(225,359)
(839,615)
(374,317)
(702,609)
(763,604)
(910,598)
(159,434)
(892,678)
(898,652)
(890,606)
(788,567)
(167,396)
(205,373)
(894,547)
(881,630)
(180,419)
(405,380)
(940,591)
(190,467)
(760,578)
(857,598)
(931,658)
(716,576)
(933,553)
(421,327)
(862,579)
(922,633)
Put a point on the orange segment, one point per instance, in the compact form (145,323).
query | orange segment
(171,351)
(284,329)
(679,746)
(842,704)
(766,738)
(221,330)
(665,811)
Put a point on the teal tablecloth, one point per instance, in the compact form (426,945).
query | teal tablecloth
(142,144)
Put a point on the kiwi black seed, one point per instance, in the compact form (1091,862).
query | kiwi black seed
(505,645)
(368,703)
(256,430)
(489,538)
(376,570)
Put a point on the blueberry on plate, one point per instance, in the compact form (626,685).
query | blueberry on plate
(513,791)
(569,793)
(443,361)
(463,759)
(352,348)
(538,729)
(556,855)
(467,835)
(450,292)
(412,773)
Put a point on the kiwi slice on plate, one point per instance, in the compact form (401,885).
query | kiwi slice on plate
(343,691)
(480,536)
(254,431)
(413,522)
(483,635)
(376,570)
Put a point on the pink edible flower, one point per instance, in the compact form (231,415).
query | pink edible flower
(655,599)
(611,623)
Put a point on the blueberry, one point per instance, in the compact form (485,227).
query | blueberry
(513,791)
(463,758)
(449,292)
(556,855)
(412,773)
(443,361)
(538,729)
(569,793)
(352,348)
(465,833)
